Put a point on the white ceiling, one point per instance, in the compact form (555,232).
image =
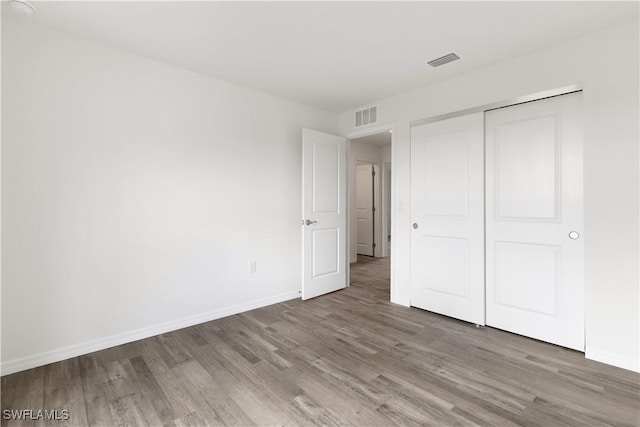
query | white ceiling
(334,55)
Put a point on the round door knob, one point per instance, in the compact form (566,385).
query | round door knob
(573,235)
(415,225)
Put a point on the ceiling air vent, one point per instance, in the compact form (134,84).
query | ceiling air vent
(367,116)
(443,60)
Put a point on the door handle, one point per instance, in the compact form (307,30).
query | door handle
(573,235)
(415,225)
(309,222)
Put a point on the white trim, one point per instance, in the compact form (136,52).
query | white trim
(28,362)
(609,358)
(377,217)
(385,229)
(394,215)
(350,207)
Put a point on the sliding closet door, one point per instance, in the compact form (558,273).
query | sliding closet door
(447,211)
(534,221)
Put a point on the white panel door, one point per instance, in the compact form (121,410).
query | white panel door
(324,224)
(447,211)
(364,209)
(534,220)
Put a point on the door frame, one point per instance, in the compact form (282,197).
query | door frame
(371,130)
(384,200)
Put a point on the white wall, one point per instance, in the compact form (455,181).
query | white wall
(134,195)
(361,151)
(606,64)
(385,153)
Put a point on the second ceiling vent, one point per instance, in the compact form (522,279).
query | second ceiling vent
(367,116)
(443,60)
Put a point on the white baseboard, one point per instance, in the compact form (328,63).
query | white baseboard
(401,301)
(56,355)
(612,359)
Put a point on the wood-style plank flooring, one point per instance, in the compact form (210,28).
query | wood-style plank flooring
(348,358)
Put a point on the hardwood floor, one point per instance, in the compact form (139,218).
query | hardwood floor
(347,358)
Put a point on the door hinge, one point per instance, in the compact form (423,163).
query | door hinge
(373,244)
(373,209)
(373,173)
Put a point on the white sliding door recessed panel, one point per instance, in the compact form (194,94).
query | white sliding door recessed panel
(447,211)
(534,220)
(324,214)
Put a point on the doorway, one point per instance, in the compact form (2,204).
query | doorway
(328,211)
(370,192)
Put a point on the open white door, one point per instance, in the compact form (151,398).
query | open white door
(364,209)
(534,220)
(447,211)
(324,213)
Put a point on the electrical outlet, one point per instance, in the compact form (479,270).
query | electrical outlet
(252,266)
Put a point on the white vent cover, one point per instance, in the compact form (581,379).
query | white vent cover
(367,116)
(443,60)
